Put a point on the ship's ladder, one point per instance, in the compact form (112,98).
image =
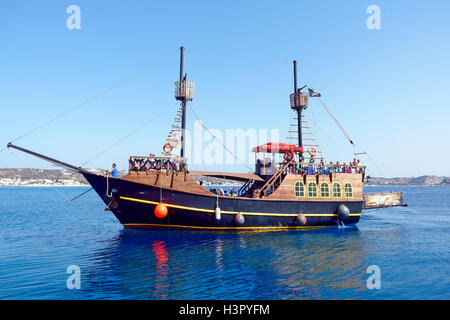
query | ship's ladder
(277,176)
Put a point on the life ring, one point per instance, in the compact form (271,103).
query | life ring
(312,151)
(165,148)
(288,156)
(177,142)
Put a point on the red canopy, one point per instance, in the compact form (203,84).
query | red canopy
(277,147)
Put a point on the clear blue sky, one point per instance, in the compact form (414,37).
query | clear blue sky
(389,87)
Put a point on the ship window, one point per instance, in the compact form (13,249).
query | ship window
(324,190)
(336,190)
(312,190)
(348,190)
(299,189)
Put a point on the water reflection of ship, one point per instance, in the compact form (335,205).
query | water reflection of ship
(162,269)
(246,265)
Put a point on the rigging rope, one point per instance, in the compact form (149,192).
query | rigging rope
(125,137)
(78,203)
(317,95)
(107,186)
(316,128)
(215,138)
(335,120)
(95,96)
(371,160)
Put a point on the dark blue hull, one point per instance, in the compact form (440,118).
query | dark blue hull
(133,204)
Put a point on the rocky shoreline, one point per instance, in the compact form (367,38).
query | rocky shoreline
(412,181)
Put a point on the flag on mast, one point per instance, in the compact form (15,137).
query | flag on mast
(313,93)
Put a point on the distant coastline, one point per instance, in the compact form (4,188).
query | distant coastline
(411,181)
(12,177)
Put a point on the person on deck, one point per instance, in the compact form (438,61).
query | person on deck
(322,168)
(338,167)
(331,167)
(311,167)
(358,168)
(114,172)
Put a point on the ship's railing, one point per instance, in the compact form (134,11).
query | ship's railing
(324,168)
(153,163)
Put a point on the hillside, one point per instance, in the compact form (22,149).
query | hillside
(42,177)
(34,177)
(413,181)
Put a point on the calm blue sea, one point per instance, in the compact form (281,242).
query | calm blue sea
(42,234)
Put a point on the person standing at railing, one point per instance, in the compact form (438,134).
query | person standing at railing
(338,167)
(131,164)
(359,168)
(311,166)
(322,168)
(331,167)
(114,172)
(346,169)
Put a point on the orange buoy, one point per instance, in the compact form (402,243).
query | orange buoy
(160,210)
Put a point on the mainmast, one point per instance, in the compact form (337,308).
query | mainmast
(184,91)
(299,102)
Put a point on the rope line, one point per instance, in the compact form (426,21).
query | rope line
(124,138)
(335,120)
(215,138)
(79,204)
(371,160)
(107,187)
(90,99)
(348,137)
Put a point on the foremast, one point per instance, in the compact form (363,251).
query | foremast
(184,92)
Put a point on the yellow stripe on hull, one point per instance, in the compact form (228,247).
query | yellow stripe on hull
(236,212)
(129,225)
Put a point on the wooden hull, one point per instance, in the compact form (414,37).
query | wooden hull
(133,204)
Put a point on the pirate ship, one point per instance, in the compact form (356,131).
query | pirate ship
(294,192)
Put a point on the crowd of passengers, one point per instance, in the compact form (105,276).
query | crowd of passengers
(310,168)
(325,169)
(156,164)
(222,193)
